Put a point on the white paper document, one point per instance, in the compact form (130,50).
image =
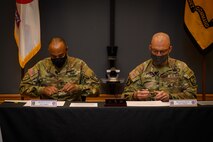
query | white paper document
(205,102)
(60,103)
(16,101)
(147,103)
(84,105)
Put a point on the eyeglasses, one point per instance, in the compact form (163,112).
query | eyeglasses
(161,52)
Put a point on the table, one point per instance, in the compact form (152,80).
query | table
(104,124)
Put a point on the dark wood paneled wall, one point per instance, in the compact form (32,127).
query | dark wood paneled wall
(85,26)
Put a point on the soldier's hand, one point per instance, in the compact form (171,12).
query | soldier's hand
(141,94)
(162,96)
(49,90)
(69,87)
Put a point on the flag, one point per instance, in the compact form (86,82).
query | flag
(198,18)
(27,29)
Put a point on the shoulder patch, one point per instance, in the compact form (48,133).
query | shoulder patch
(133,74)
(89,72)
(32,72)
(188,73)
(193,80)
(136,72)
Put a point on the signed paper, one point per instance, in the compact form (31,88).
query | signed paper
(205,102)
(147,103)
(84,105)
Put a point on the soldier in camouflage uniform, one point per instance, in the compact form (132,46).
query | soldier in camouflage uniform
(160,78)
(60,76)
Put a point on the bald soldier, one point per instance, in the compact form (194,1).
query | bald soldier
(161,77)
(59,76)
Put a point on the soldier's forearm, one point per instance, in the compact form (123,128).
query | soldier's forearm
(183,95)
(34,91)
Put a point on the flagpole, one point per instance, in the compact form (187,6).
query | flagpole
(203,77)
(22,75)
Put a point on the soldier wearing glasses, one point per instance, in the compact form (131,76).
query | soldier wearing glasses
(60,76)
(161,77)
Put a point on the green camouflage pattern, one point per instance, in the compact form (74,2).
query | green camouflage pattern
(176,78)
(45,74)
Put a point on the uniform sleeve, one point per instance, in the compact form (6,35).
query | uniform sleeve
(133,83)
(89,83)
(30,83)
(189,85)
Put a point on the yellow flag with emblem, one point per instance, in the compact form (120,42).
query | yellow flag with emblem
(198,18)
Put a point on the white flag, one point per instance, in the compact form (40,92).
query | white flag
(27,29)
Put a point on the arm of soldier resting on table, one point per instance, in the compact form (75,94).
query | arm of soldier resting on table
(132,85)
(29,83)
(189,86)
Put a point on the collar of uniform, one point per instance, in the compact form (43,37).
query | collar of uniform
(169,64)
(54,69)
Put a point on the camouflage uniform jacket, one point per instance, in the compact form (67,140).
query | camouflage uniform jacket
(45,74)
(176,78)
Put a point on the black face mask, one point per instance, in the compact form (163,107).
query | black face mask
(59,62)
(159,60)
